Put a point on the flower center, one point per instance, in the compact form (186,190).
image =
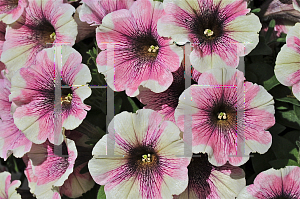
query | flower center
(43,32)
(52,37)
(153,49)
(222,116)
(147,158)
(208,33)
(66,96)
(66,99)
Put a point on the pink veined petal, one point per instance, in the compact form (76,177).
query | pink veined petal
(93,11)
(10,11)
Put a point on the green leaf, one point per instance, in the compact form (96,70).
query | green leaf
(118,104)
(84,169)
(134,106)
(256,10)
(101,193)
(261,70)
(281,40)
(281,108)
(289,100)
(262,48)
(276,129)
(288,118)
(281,163)
(295,153)
(297,111)
(281,105)
(272,23)
(270,30)
(91,142)
(260,162)
(15,164)
(283,148)
(271,83)
(292,136)
(95,51)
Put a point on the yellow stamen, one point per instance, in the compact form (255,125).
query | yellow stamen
(208,32)
(146,158)
(222,115)
(67,99)
(53,36)
(153,49)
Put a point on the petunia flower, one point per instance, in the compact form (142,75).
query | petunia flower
(11,10)
(7,188)
(145,163)
(12,140)
(33,92)
(93,11)
(211,182)
(229,117)
(140,55)
(78,183)
(219,30)
(287,69)
(166,102)
(271,184)
(43,22)
(47,170)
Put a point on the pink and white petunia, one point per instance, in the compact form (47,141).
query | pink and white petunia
(49,166)
(229,117)
(287,65)
(11,10)
(12,140)
(42,23)
(133,53)
(219,30)
(93,11)
(166,102)
(274,184)
(211,182)
(33,92)
(7,188)
(78,183)
(145,162)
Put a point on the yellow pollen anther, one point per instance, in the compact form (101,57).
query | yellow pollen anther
(146,158)
(67,99)
(222,116)
(153,49)
(208,32)
(53,36)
